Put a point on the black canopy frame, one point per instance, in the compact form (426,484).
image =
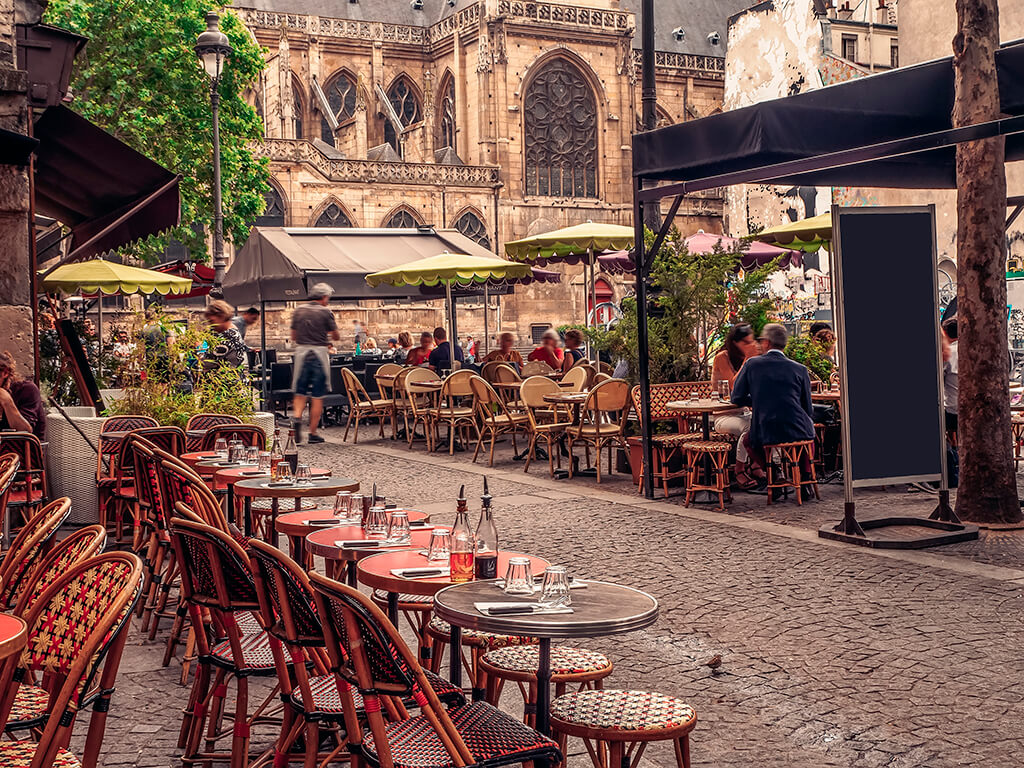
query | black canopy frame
(896,132)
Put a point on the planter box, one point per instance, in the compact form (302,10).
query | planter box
(71,462)
(264,421)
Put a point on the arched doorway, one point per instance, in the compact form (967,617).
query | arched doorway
(605,296)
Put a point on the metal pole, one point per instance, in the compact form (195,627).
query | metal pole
(593,296)
(487,307)
(643,353)
(648,97)
(264,368)
(99,333)
(219,262)
(451,324)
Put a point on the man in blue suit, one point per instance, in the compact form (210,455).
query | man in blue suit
(778,390)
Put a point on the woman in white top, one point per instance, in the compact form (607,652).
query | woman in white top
(740,344)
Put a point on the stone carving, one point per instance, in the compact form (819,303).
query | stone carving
(711,67)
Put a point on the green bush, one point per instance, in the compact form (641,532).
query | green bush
(810,353)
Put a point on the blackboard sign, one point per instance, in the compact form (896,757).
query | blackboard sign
(890,355)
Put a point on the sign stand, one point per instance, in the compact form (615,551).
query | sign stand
(890,234)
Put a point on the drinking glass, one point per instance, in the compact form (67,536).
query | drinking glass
(252,455)
(263,463)
(302,474)
(518,579)
(284,473)
(554,593)
(355,510)
(220,447)
(834,384)
(377,522)
(440,544)
(236,453)
(723,390)
(694,395)
(343,506)
(398,527)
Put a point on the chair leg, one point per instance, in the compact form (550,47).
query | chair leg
(355,433)
(240,732)
(494,435)
(531,452)
(348,423)
(682,747)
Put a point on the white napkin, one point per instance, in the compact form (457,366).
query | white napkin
(485,609)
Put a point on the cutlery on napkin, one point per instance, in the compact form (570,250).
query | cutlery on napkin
(421,573)
(516,609)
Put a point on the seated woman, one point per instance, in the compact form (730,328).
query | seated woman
(506,353)
(548,351)
(573,352)
(404,347)
(420,354)
(740,344)
(230,348)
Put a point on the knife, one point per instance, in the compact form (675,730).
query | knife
(507,610)
(422,572)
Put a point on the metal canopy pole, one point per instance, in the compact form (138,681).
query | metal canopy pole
(264,369)
(487,307)
(593,296)
(643,353)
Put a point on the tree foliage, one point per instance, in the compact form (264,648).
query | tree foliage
(695,297)
(139,79)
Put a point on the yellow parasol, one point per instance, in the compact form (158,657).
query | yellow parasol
(446,269)
(806,235)
(108,277)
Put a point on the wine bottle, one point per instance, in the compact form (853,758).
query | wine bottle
(276,454)
(461,557)
(291,451)
(485,554)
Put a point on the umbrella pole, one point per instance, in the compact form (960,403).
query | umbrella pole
(264,371)
(451,324)
(593,297)
(487,302)
(99,334)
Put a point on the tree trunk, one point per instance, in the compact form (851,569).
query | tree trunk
(988,484)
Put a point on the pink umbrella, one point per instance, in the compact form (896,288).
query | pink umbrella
(757,255)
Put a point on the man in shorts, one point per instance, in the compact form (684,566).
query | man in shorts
(313,327)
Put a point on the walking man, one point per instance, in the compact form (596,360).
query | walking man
(313,327)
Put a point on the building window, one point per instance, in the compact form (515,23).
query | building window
(401,219)
(273,213)
(850,47)
(407,107)
(537,332)
(560,122)
(894,54)
(446,127)
(341,97)
(333,216)
(472,227)
(298,107)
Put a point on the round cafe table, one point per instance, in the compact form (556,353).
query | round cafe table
(598,609)
(296,526)
(375,572)
(262,488)
(194,457)
(13,634)
(225,476)
(340,558)
(826,397)
(705,407)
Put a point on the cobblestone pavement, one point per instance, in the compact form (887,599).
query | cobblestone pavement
(831,655)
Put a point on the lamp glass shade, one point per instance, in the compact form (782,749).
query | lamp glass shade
(212,63)
(213,47)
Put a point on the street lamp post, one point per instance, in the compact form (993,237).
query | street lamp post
(213,49)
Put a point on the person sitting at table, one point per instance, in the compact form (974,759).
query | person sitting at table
(549,351)
(21,404)
(779,392)
(505,353)
(740,345)
(419,355)
(573,352)
(403,348)
(229,349)
(370,344)
(441,356)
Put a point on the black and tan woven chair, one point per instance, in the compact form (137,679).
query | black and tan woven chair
(248,434)
(785,462)
(124,497)
(66,650)
(109,451)
(33,543)
(518,663)
(368,654)
(616,726)
(202,422)
(29,491)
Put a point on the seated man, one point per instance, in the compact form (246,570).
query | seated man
(21,405)
(778,390)
(441,357)
(505,354)
(549,352)
(419,355)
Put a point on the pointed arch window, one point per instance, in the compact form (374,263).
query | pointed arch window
(273,213)
(401,219)
(298,107)
(472,226)
(560,127)
(446,125)
(406,105)
(333,216)
(341,97)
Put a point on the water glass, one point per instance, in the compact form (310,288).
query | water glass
(834,384)
(284,473)
(343,506)
(518,578)
(398,527)
(302,474)
(263,463)
(377,522)
(220,447)
(694,395)
(252,455)
(440,544)
(723,390)
(554,592)
(236,453)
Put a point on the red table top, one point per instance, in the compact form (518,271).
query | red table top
(195,457)
(321,543)
(12,635)
(376,571)
(297,523)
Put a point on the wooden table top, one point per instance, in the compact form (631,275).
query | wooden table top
(375,571)
(323,543)
(258,488)
(598,609)
(576,398)
(829,397)
(13,634)
(304,522)
(704,405)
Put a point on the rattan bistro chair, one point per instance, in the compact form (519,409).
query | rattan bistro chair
(33,543)
(452,411)
(421,400)
(248,435)
(543,421)
(602,423)
(68,648)
(368,654)
(362,406)
(495,418)
(201,422)
(29,491)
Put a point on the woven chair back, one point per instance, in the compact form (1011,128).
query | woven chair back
(286,597)
(33,542)
(209,421)
(79,546)
(249,434)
